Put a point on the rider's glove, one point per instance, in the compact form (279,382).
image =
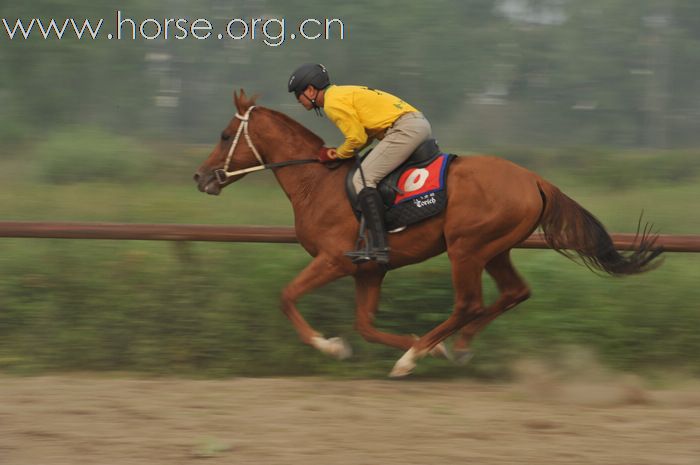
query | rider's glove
(327,154)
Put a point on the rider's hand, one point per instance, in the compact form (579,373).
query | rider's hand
(327,154)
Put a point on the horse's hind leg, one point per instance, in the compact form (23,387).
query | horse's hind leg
(513,290)
(322,270)
(466,280)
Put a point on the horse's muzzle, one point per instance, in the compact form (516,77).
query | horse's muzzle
(207,183)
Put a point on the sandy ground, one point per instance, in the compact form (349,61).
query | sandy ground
(88,419)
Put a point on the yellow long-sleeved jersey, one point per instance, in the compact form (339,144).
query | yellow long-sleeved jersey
(361,113)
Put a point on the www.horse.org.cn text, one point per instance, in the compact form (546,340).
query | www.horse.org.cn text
(271,31)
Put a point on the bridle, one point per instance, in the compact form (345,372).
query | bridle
(222,174)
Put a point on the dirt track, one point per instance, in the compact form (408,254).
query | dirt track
(86,419)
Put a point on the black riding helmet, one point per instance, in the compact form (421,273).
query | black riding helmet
(308,73)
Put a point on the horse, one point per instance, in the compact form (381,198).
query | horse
(492,206)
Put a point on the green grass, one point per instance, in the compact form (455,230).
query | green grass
(209,309)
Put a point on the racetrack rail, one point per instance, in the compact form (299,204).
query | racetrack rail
(270,234)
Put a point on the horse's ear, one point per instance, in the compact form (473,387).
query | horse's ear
(241,101)
(235,98)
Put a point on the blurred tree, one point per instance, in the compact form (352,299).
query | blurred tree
(600,72)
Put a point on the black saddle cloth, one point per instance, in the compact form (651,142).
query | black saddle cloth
(404,213)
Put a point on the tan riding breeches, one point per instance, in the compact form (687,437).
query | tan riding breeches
(398,144)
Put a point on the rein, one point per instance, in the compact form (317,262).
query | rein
(223,174)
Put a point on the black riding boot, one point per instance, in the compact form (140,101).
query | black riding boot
(377,247)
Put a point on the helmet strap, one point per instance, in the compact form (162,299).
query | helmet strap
(315,106)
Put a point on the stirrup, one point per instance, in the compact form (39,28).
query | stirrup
(381,256)
(359,256)
(363,254)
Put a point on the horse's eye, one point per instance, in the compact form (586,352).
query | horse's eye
(225,136)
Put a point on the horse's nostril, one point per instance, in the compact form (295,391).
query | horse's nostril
(196,177)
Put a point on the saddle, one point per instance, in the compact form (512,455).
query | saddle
(414,191)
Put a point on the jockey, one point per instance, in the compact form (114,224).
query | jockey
(363,114)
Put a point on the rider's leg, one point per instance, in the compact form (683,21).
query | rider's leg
(372,207)
(407,133)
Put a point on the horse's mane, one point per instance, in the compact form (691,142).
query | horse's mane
(243,103)
(296,126)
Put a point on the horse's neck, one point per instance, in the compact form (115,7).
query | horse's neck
(307,185)
(304,185)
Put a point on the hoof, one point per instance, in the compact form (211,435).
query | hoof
(340,349)
(441,351)
(404,366)
(335,347)
(462,356)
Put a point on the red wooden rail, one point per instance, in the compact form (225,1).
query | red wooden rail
(185,232)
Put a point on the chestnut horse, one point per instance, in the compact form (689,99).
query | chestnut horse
(493,205)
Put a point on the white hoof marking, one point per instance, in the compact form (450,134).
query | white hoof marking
(441,351)
(335,347)
(340,348)
(405,365)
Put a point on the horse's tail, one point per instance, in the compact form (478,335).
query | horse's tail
(571,230)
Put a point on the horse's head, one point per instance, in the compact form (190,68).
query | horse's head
(234,149)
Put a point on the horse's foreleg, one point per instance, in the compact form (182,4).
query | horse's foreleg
(513,290)
(367,290)
(322,270)
(466,280)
